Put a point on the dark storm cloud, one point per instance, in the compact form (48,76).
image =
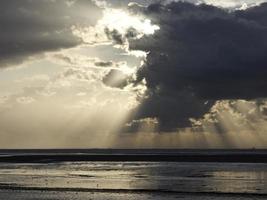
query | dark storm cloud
(29,27)
(258,14)
(201,54)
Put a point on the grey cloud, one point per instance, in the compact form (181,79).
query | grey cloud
(31,27)
(141,125)
(200,54)
(125,3)
(115,36)
(25,100)
(234,115)
(257,13)
(115,78)
(119,38)
(104,63)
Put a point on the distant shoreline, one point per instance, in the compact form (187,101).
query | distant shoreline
(121,155)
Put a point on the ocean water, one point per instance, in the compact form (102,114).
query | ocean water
(218,178)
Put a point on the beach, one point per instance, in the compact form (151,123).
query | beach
(45,176)
(55,195)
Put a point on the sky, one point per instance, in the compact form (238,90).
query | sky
(133,74)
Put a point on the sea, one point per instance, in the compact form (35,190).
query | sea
(49,180)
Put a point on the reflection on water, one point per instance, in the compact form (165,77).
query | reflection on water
(253,181)
(183,177)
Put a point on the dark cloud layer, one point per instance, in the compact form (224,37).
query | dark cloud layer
(29,27)
(201,54)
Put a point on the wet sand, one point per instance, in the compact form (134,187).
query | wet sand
(74,195)
(78,174)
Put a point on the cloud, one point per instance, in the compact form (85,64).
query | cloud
(236,4)
(234,115)
(84,61)
(115,36)
(201,54)
(25,100)
(75,97)
(3,99)
(34,27)
(104,63)
(229,4)
(72,60)
(148,125)
(115,78)
(257,13)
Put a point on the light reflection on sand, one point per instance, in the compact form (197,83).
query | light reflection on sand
(181,177)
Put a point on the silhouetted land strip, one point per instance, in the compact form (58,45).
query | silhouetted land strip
(234,156)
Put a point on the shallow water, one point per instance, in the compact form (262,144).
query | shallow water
(68,195)
(150,176)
